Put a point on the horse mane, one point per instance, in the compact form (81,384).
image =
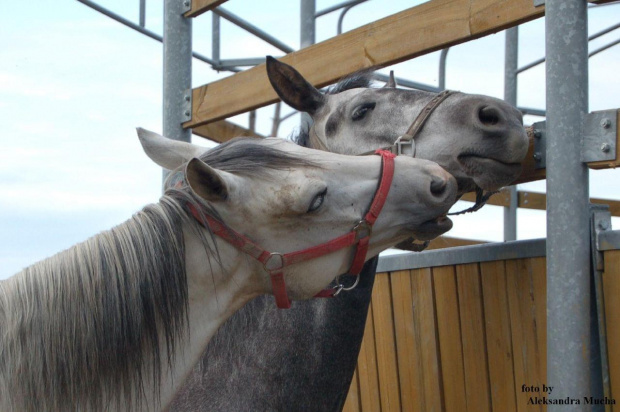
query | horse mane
(88,328)
(360,79)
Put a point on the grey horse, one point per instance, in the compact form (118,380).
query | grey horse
(303,359)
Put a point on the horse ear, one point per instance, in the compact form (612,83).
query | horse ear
(167,153)
(205,181)
(292,88)
(391,83)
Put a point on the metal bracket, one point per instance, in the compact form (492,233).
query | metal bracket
(540,145)
(538,3)
(187,6)
(187,105)
(601,224)
(599,136)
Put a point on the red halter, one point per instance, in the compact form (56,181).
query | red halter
(274,263)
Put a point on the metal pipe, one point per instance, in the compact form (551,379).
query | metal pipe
(215,38)
(408,83)
(137,28)
(341,17)
(600,49)
(442,68)
(307,32)
(177,80)
(568,247)
(249,27)
(533,112)
(592,37)
(510,95)
(338,7)
(142,13)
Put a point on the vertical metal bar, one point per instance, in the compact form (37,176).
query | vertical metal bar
(215,38)
(442,68)
(568,249)
(307,38)
(142,13)
(510,95)
(307,23)
(177,70)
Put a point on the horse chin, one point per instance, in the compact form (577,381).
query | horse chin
(430,229)
(489,174)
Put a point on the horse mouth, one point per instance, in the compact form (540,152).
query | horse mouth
(432,228)
(489,173)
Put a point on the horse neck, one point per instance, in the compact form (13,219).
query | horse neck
(101,325)
(216,291)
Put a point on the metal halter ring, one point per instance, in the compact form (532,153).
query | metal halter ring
(275,261)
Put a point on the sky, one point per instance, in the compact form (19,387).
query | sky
(75,84)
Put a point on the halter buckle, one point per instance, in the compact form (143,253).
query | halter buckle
(404,145)
(362,229)
(275,261)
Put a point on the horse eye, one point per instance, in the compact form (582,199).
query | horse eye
(317,201)
(361,110)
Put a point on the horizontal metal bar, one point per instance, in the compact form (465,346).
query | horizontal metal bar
(249,27)
(519,249)
(250,61)
(534,112)
(608,240)
(338,7)
(408,83)
(592,37)
(602,48)
(602,32)
(142,30)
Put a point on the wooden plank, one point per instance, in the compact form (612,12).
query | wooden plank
(222,131)
(611,291)
(539,277)
(409,367)
(476,366)
(450,341)
(370,399)
(434,25)
(426,340)
(387,364)
(202,6)
(524,328)
(352,403)
(443,242)
(499,342)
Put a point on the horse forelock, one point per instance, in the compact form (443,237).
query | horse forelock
(89,328)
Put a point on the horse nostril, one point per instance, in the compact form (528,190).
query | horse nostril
(489,115)
(438,185)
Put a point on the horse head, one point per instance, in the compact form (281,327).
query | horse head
(480,140)
(297,198)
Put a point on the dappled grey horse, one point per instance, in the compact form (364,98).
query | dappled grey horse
(303,359)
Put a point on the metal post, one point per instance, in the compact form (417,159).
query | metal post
(307,38)
(215,38)
(142,13)
(568,249)
(442,68)
(510,95)
(177,70)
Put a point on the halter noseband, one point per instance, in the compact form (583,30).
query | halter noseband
(274,263)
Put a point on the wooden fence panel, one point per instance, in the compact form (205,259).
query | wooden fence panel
(464,338)
(611,293)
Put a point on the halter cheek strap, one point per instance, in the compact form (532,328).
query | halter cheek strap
(274,263)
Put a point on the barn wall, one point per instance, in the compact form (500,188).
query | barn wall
(465,337)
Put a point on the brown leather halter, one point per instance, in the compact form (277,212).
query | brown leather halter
(274,263)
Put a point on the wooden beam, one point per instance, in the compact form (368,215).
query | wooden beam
(443,242)
(537,201)
(428,27)
(202,6)
(222,131)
